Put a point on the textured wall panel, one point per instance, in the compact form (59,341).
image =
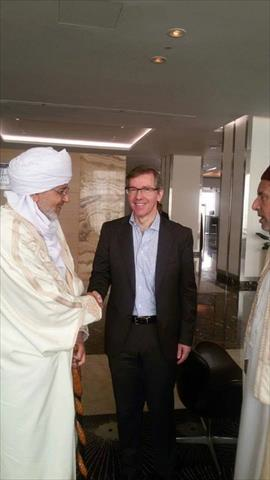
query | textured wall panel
(102,198)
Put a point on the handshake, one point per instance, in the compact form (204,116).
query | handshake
(97,297)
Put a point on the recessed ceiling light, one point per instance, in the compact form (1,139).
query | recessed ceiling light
(17,119)
(176,32)
(218,130)
(158,59)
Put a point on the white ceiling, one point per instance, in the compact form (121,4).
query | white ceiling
(81,68)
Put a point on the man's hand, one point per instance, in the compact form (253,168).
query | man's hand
(97,296)
(79,354)
(182,353)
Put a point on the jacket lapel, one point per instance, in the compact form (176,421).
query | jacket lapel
(164,241)
(126,251)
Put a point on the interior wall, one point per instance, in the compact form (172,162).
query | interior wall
(232,196)
(225,198)
(102,198)
(6,154)
(211,182)
(185,193)
(237,195)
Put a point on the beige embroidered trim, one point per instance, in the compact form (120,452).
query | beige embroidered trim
(39,244)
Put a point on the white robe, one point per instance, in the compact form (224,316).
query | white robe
(253,440)
(40,319)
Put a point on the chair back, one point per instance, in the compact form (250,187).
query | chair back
(209,382)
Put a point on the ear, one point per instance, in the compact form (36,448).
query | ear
(160,194)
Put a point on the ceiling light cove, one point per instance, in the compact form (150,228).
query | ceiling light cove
(176,32)
(73,142)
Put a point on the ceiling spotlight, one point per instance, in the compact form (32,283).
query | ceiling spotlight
(176,32)
(158,59)
(17,119)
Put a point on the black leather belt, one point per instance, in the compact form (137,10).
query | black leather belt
(144,320)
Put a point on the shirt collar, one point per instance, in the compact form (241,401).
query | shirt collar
(154,226)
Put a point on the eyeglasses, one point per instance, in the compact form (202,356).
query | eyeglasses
(144,190)
(63,192)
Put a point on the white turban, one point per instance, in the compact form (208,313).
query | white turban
(38,170)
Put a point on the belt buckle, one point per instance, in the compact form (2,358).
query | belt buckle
(147,318)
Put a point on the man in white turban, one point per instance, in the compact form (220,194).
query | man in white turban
(44,315)
(253,450)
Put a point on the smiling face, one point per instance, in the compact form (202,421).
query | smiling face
(144,204)
(262,204)
(51,202)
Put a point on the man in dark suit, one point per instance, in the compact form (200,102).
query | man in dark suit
(147,260)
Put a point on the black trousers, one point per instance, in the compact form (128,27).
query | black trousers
(140,374)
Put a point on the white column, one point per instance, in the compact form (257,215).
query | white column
(185,193)
(166,173)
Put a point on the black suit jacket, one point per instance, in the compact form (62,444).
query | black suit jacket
(175,287)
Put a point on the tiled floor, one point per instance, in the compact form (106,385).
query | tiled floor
(221,319)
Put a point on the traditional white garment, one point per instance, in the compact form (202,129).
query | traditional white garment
(41,316)
(253,447)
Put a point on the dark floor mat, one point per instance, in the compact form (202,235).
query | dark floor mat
(193,461)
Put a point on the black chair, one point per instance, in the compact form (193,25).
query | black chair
(209,384)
